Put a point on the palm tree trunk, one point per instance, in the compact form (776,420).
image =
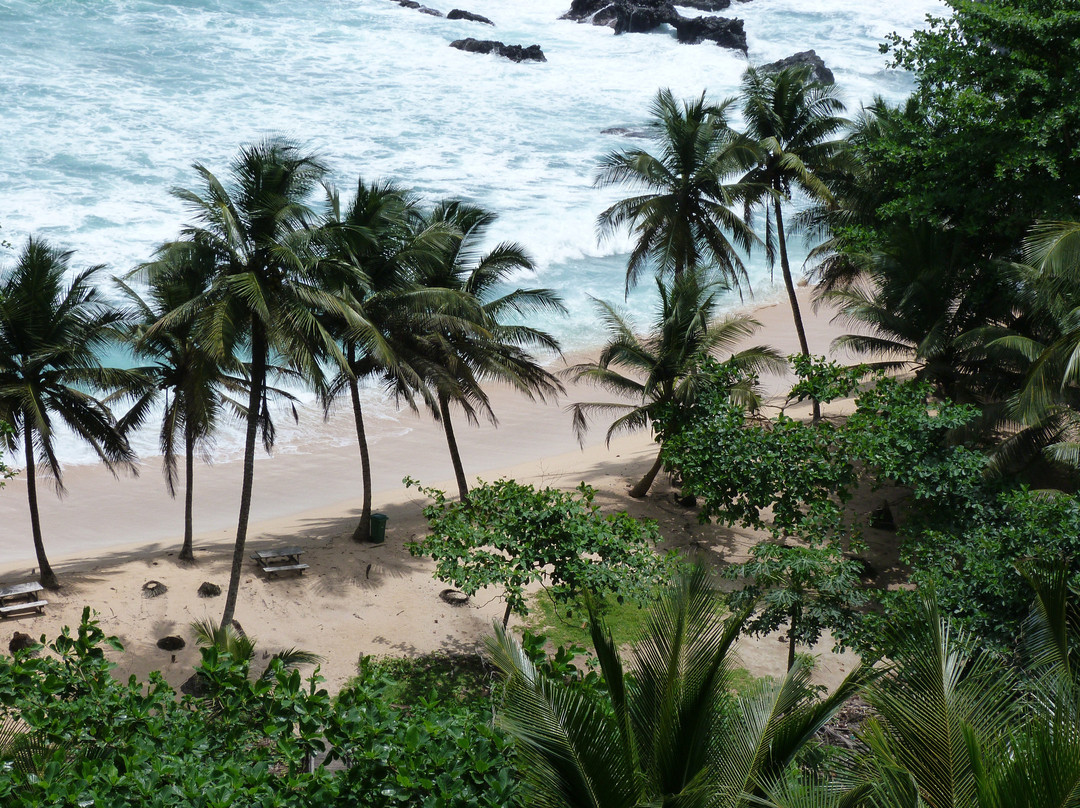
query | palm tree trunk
(643,486)
(187,552)
(785,267)
(451,441)
(258,379)
(363,530)
(47,577)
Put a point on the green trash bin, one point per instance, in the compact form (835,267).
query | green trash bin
(378,527)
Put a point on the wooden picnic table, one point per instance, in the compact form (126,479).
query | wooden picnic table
(21,597)
(280,559)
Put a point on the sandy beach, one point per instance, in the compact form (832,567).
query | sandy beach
(108,537)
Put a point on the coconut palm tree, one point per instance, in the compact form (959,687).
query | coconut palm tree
(665,367)
(265,298)
(666,728)
(682,217)
(234,642)
(471,347)
(793,122)
(196,385)
(52,334)
(379,238)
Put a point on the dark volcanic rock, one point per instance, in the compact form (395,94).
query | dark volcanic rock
(583,10)
(20,642)
(408,3)
(433,12)
(728,33)
(626,131)
(515,53)
(706,5)
(458,14)
(422,9)
(818,71)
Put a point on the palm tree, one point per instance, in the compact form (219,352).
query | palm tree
(379,237)
(792,121)
(477,345)
(264,297)
(52,333)
(665,367)
(665,729)
(682,217)
(194,383)
(238,645)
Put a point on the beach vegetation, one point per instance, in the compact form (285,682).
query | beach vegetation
(263,298)
(796,126)
(54,327)
(378,238)
(663,369)
(509,535)
(681,216)
(241,647)
(485,339)
(197,386)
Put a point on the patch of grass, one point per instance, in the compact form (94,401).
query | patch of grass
(464,679)
(566,626)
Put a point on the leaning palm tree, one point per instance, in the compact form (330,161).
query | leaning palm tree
(793,121)
(52,334)
(264,298)
(664,368)
(666,729)
(196,385)
(682,217)
(466,347)
(378,238)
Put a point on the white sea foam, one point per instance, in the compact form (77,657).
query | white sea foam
(107,103)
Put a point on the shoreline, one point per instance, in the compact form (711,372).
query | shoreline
(109,538)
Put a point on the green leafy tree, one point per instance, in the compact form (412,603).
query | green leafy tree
(511,535)
(52,335)
(794,123)
(664,369)
(682,217)
(809,588)
(264,297)
(995,144)
(665,729)
(483,341)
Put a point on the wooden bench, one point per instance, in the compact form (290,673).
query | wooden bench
(21,598)
(282,559)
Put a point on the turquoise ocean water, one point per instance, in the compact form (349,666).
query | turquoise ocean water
(104,105)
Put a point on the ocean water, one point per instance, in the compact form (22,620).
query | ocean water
(105,104)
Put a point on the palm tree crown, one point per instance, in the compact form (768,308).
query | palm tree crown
(682,217)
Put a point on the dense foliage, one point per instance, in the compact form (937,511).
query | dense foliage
(510,535)
(71,734)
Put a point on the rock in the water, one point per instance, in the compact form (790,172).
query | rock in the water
(458,14)
(433,12)
(408,3)
(209,590)
(626,131)
(727,33)
(20,642)
(171,643)
(515,53)
(583,10)
(706,5)
(818,71)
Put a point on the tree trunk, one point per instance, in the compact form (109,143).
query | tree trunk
(187,552)
(506,615)
(792,296)
(47,576)
(363,530)
(258,379)
(642,488)
(792,626)
(455,456)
